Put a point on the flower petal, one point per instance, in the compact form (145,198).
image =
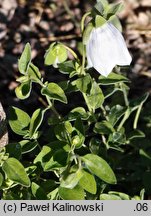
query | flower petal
(122,54)
(106,48)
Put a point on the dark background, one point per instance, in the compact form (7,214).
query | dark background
(42,22)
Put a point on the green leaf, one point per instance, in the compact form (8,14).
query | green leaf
(29,170)
(104,2)
(94,145)
(61,53)
(14,150)
(103,127)
(114,8)
(83,84)
(53,195)
(78,112)
(99,167)
(48,185)
(1,179)
(57,160)
(44,156)
(99,21)
(78,135)
(100,6)
(3,155)
(38,192)
(19,121)
(118,137)
(56,53)
(49,57)
(116,22)
(36,121)
(34,73)
(23,79)
(145,154)
(25,59)
(109,197)
(95,99)
(135,134)
(135,103)
(28,146)
(53,91)
(88,183)
(56,145)
(116,113)
(64,85)
(23,90)
(16,172)
(67,67)
(123,196)
(77,193)
(72,179)
(68,127)
(142,193)
(112,78)
(62,133)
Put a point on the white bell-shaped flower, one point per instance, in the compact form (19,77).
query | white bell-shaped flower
(106,48)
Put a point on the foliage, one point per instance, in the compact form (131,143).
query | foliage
(92,152)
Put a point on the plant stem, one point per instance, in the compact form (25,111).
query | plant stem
(124,94)
(71,51)
(104,113)
(49,101)
(104,141)
(126,116)
(83,20)
(83,60)
(137,116)
(53,108)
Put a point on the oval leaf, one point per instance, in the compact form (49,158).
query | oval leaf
(112,78)
(56,53)
(83,84)
(103,127)
(109,197)
(95,99)
(72,180)
(78,112)
(34,73)
(38,192)
(19,121)
(28,145)
(23,90)
(87,182)
(53,91)
(16,172)
(99,167)
(57,160)
(36,121)
(77,193)
(44,156)
(25,59)
(115,8)
(1,179)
